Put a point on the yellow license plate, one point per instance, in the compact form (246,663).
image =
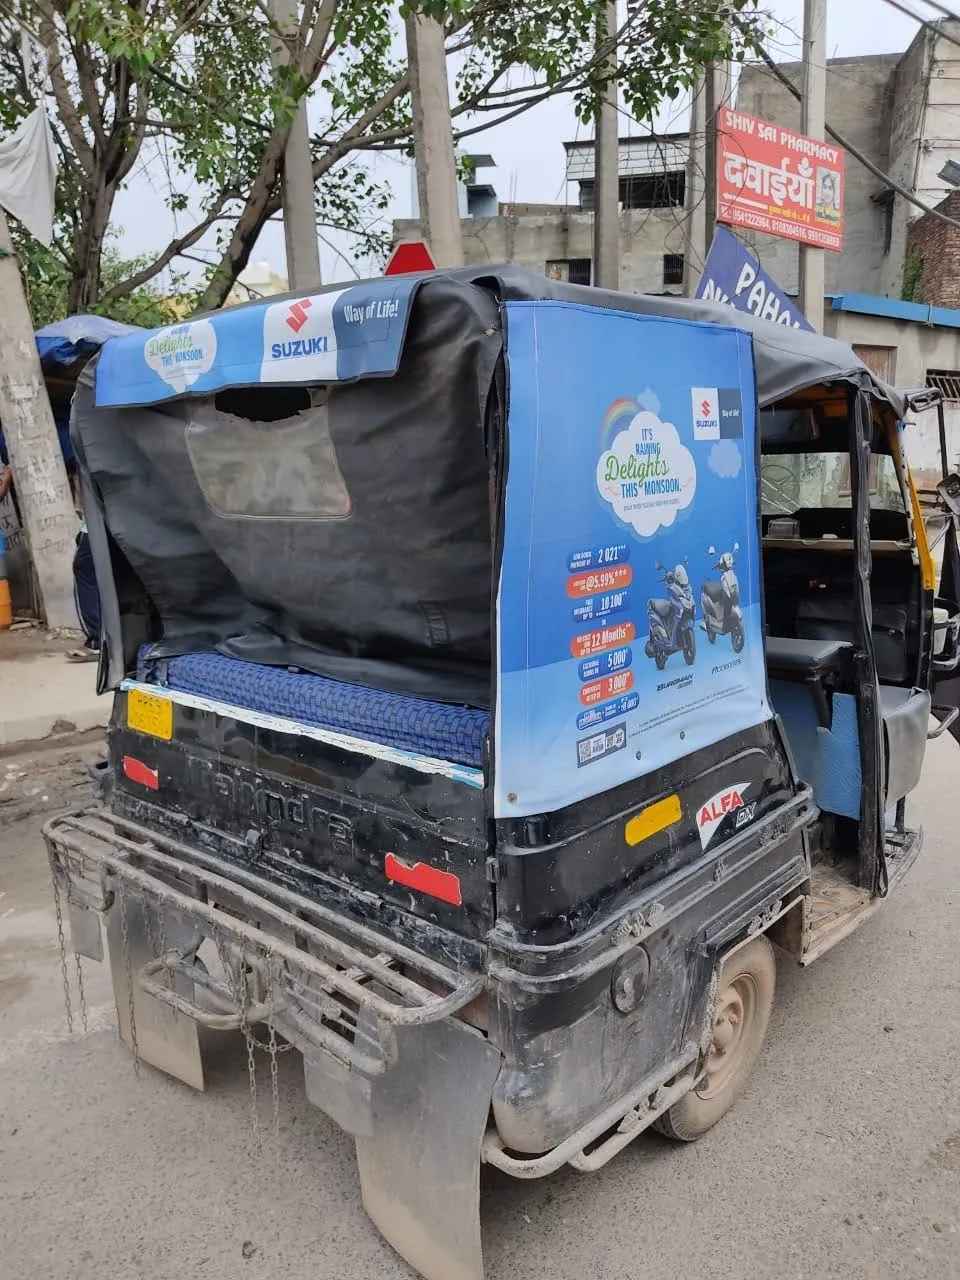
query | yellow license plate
(149,714)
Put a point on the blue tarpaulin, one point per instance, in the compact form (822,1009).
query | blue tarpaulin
(62,343)
(65,341)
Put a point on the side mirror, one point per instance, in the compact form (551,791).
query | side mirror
(736,546)
(686,559)
(657,564)
(711,551)
(949,491)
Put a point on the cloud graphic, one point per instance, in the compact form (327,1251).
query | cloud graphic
(647,475)
(650,401)
(180,354)
(725,459)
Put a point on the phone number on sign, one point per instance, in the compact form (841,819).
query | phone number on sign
(789,230)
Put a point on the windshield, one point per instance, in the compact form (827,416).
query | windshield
(680,576)
(791,482)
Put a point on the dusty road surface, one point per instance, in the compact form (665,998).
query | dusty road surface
(842,1160)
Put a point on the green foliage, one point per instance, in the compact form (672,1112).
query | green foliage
(46,278)
(660,47)
(200,93)
(912,288)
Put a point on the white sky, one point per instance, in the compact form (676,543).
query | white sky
(528,150)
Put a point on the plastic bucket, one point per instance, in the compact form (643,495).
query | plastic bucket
(6,604)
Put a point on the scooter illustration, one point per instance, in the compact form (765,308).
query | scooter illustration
(671,620)
(720,602)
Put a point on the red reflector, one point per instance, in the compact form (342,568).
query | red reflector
(439,884)
(137,771)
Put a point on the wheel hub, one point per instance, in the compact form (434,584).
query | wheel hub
(736,1006)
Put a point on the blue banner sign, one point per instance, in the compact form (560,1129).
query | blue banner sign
(734,276)
(336,336)
(628,623)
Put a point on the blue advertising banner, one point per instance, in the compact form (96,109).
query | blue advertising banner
(628,616)
(732,275)
(337,336)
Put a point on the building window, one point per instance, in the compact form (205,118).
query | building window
(570,270)
(672,269)
(653,191)
(947,382)
(641,191)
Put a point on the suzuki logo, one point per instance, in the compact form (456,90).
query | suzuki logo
(704,405)
(298,314)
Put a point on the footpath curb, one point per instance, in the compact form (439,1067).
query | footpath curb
(44,698)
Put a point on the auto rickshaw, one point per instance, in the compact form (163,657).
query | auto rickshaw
(392,777)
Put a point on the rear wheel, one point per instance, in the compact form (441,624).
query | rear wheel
(744,1000)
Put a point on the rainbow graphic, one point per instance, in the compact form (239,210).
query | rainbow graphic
(620,414)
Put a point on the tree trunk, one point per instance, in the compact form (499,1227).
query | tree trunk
(84,291)
(260,204)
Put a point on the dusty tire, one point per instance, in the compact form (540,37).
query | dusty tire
(744,1001)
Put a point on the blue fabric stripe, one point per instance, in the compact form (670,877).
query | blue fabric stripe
(429,728)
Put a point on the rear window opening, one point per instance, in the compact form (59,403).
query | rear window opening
(267,453)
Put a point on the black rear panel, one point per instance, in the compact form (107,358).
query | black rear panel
(560,873)
(307,814)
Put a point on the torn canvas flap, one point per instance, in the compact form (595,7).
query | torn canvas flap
(28,175)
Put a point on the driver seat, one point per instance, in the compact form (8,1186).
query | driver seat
(713,591)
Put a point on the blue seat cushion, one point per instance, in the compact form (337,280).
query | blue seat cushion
(411,724)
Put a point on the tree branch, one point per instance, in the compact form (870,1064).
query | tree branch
(61,90)
(173,250)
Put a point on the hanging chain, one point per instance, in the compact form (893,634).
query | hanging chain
(163,932)
(82,993)
(274,1081)
(241,993)
(58,907)
(125,946)
(148,924)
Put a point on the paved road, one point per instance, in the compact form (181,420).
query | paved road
(842,1160)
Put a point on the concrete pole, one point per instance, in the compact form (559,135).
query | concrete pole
(39,474)
(812,122)
(433,141)
(606,187)
(699,178)
(719,80)
(299,215)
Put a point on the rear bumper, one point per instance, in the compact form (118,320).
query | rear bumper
(325,981)
(194,941)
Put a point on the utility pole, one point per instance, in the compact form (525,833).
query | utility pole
(299,215)
(606,186)
(711,93)
(699,178)
(33,446)
(813,108)
(718,87)
(433,141)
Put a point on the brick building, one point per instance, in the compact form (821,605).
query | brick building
(931,267)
